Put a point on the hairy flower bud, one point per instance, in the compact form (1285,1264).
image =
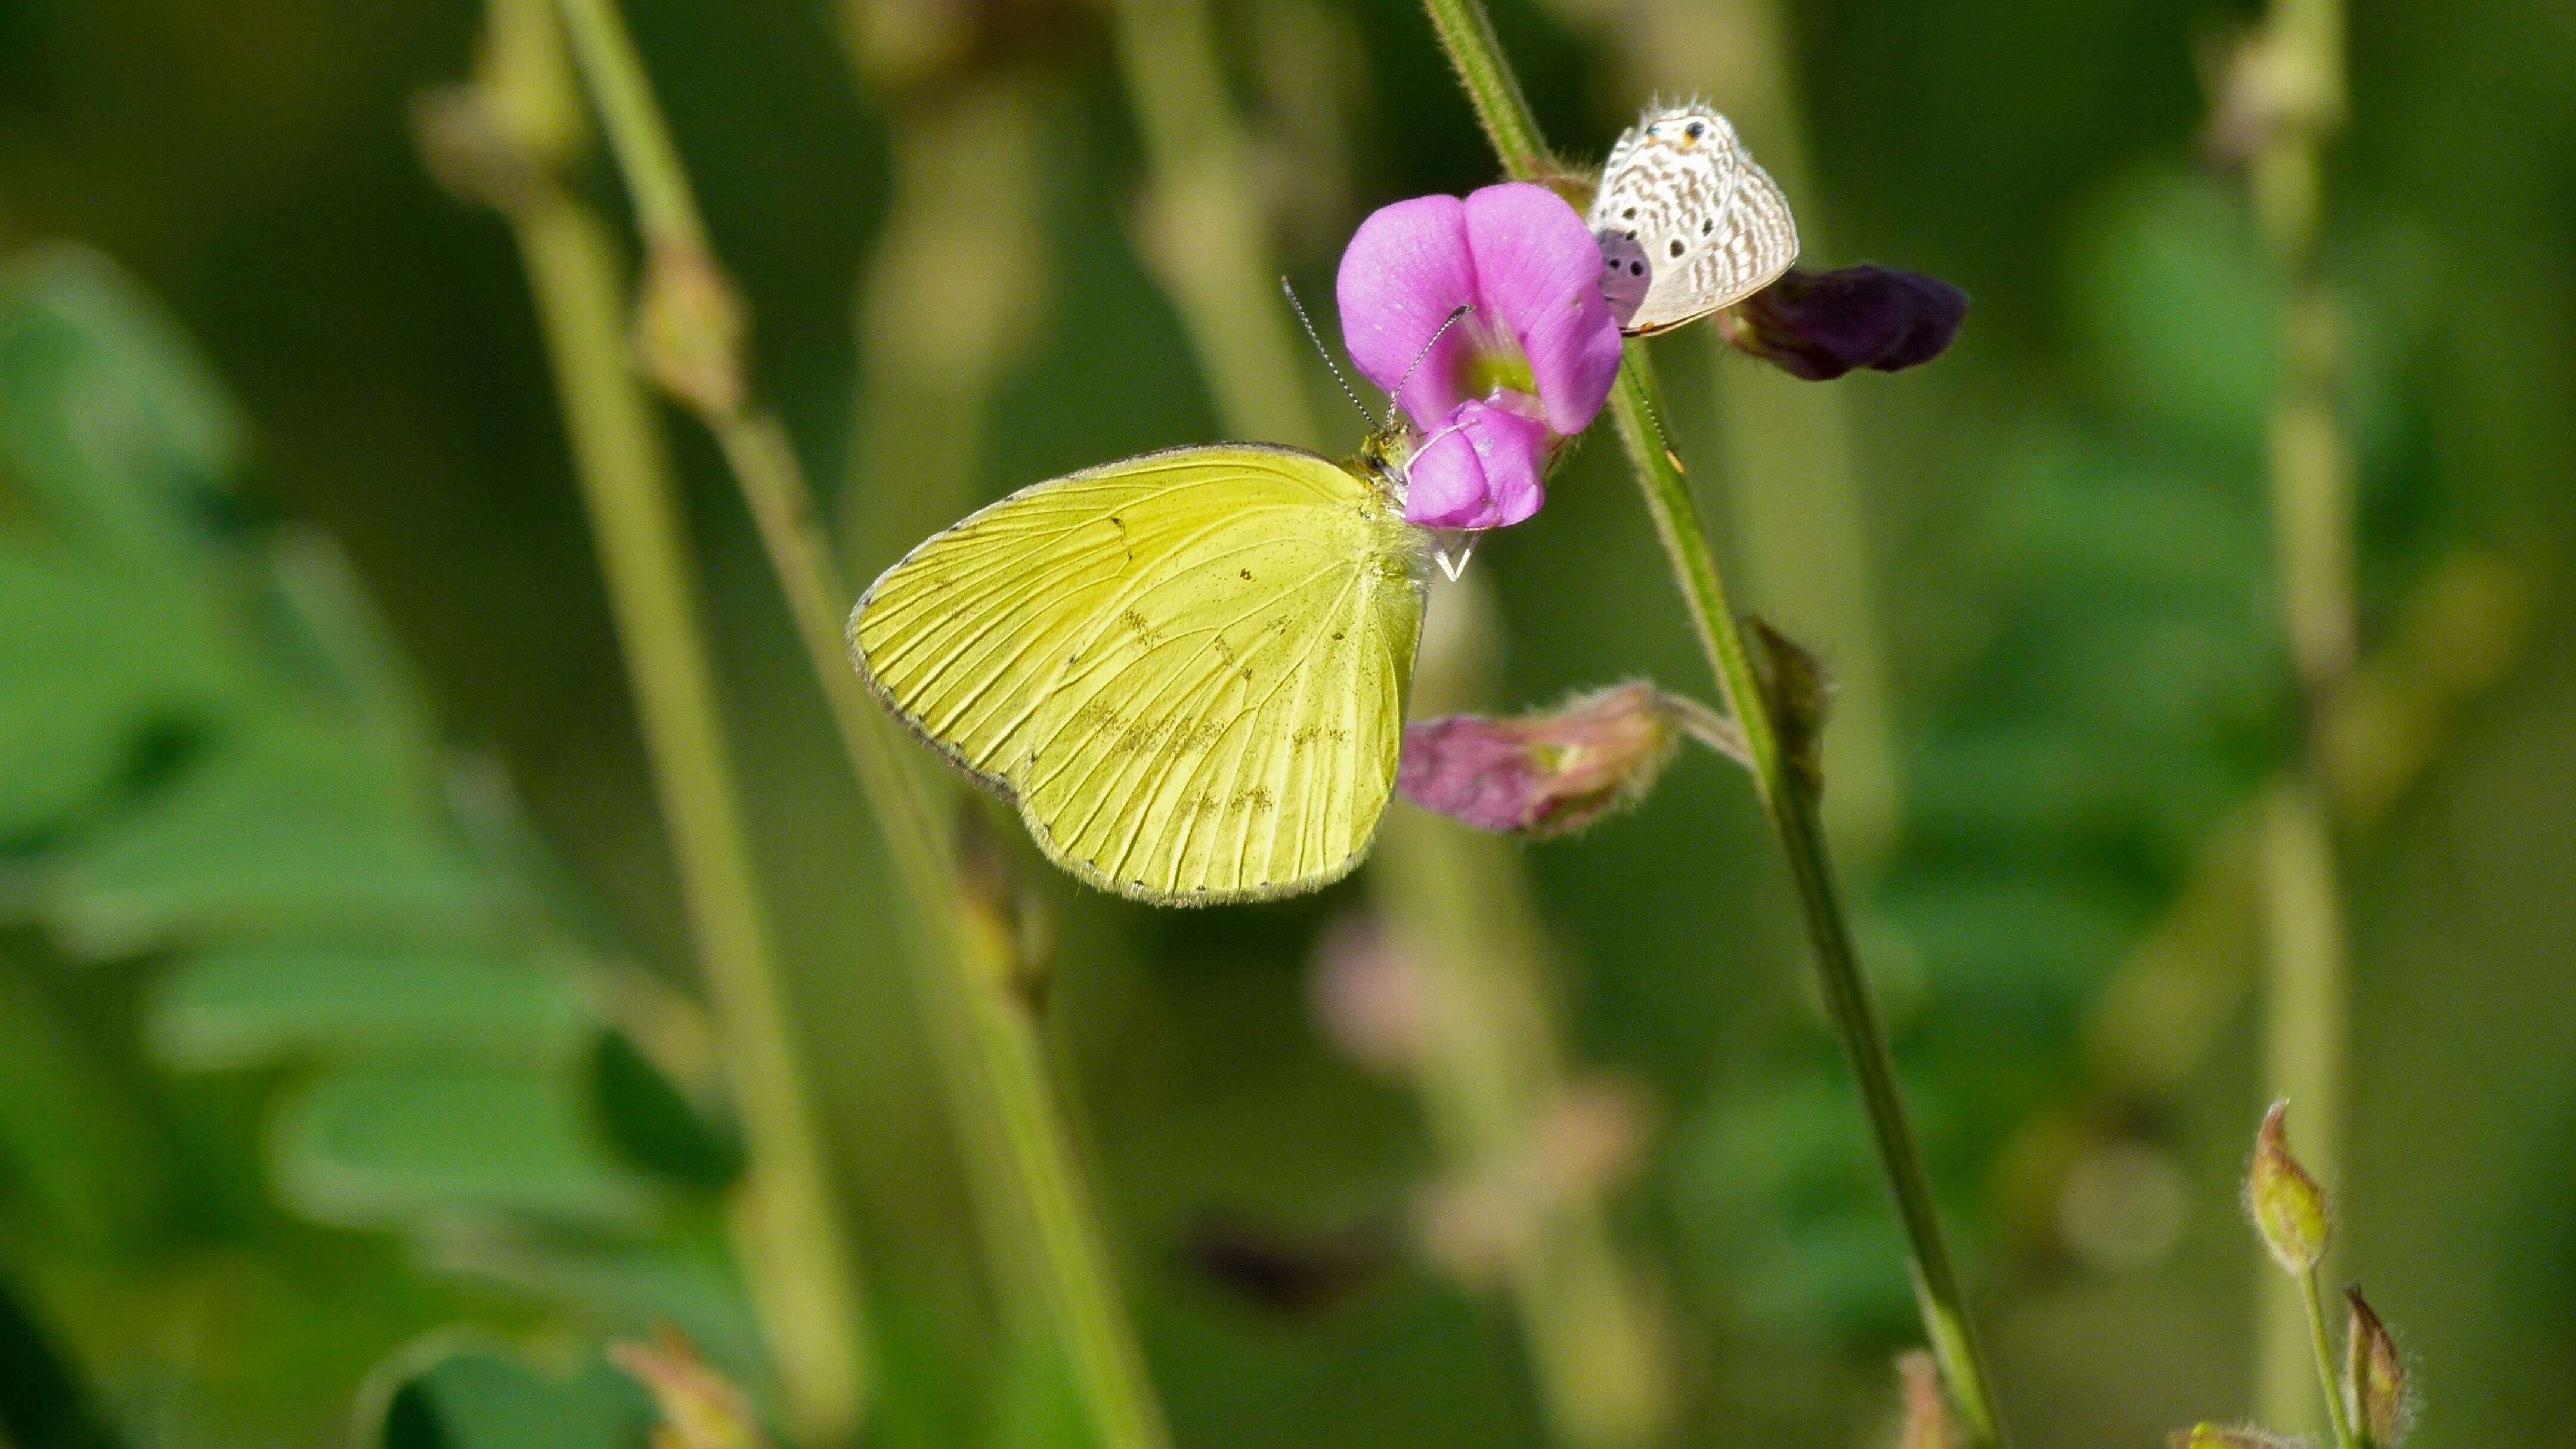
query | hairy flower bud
(689,328)
(1820,325)
(1542,774)
(2374,1378)
(2287,1206)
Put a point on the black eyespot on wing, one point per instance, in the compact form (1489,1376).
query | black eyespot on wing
(1629,215)
(1677,248)
(1706,225)
(1694,130)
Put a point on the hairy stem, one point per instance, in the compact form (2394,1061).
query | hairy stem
(1788,799)
(2299,70)
(1010,1121)
(803,1277)
(2321,1342)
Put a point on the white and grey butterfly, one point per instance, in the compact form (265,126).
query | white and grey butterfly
(1688,223)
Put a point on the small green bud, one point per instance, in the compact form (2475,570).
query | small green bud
(2287,1206)
(2374,1379)
(2235,1436)
(688,330)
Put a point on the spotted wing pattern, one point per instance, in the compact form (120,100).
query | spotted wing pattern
(1688,222)
(1188,669)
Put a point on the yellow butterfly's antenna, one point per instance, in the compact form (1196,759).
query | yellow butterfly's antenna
(1419,358)
(1312,336)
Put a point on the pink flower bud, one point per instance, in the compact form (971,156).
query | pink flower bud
(1542,774)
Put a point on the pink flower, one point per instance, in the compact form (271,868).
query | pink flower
(1527,368)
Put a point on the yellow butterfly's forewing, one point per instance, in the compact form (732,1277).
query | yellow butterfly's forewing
(1188,668)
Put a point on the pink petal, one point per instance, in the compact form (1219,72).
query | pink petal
(1538,270)
(1408,268)
(1481,469)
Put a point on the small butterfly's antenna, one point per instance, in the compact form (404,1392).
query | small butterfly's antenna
(1312,336)
(1420,358)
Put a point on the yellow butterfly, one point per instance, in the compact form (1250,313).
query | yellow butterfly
(1187,669)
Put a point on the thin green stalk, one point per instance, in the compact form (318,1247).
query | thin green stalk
(1203,222)
(803,1278)
(940,326)
(1070,1263)
(1789,799)
(1790,476)
(1089,1313)
(2298,67)
(2321,1340)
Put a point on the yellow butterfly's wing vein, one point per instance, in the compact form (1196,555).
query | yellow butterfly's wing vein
(1188,670)
(1179,847)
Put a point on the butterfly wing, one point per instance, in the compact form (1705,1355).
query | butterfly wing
(1708,225)
(1188,669)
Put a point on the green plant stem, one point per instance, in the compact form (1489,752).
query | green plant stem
(1203,220)
(2321,1340)
(1045,1177)
(803,1277)
(1035,1162)
(1790,461)
(1788,800)
(2300,71)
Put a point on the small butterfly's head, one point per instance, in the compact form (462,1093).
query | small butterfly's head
(1688,128)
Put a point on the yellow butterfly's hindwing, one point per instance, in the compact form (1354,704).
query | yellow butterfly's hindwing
(1188,669)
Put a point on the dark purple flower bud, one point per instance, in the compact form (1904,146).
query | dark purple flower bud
(1820,325)
(1542,774)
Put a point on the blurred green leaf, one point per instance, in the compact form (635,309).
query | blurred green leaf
(397,1147)
(265,843)
(256,1004)
(2177,309)
(107,413)
(42,1405)
(82,679)
(484,1399)
(653,1124)
(72,1137)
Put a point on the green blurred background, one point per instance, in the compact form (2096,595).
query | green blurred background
(352,1084)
